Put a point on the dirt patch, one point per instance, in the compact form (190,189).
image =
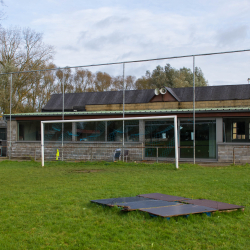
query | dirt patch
(86,171)
(214,165)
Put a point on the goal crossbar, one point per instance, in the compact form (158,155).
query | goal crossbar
(174,117)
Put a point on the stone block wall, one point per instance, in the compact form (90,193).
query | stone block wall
(71,150)
(74,151)
(227,152)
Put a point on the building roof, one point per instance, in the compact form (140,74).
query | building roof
(214,93)
(78,101)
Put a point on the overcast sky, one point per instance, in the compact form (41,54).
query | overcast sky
(102,31)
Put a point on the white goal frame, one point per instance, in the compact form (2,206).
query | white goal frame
(174,117)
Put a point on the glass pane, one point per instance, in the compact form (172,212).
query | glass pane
(29,131)
(205,139)
(90,131)
(3,133)
(131,131)
(159,134)
(237,129)
(186,142)
(241,128)
(115,131)
(53,132)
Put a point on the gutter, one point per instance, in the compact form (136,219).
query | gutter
(132,112)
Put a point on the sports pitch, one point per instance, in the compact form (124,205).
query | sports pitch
(50,208)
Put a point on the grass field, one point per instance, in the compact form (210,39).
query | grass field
(49,208)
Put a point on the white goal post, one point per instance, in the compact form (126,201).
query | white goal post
(174,117)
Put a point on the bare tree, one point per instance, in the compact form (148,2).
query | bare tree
(22,50)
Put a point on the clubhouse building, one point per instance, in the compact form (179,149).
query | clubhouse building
(222,125)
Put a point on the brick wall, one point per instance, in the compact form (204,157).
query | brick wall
(74,151)
(241,152)
(71,150)
(170,105)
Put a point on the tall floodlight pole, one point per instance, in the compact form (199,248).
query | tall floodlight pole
(123,112)
(194,106)
(10,114)
(63,114)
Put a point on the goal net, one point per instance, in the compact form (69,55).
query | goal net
(128,139)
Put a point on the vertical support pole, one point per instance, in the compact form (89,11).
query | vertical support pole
(63,114)
(142,151)
(74,135)
(10,115)
(157,154)
(179,137)
(42,143)
(106,131)
(194,106)
(233,156)
(142,137)
(176,143)
(123,113)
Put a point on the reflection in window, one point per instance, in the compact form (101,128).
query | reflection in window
(236,129)
(205,139)
(29,131)
(3,133)
(90,131)
(53,132)
(159,134)
(115,129)
(249,130)
(239,130)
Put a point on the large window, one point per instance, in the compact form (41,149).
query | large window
(80,131)
(3,132)
(115,129)
(205,139)
(90,131)
(236,129)
(53,132)
(29,131)
(159,134)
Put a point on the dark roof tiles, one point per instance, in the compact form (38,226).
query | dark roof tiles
(208,93)
(214,93)
(97,98)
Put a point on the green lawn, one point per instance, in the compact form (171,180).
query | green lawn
(49,208)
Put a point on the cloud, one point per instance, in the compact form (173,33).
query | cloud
(110,34)
(232,35)
(110,21)
(97,42)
